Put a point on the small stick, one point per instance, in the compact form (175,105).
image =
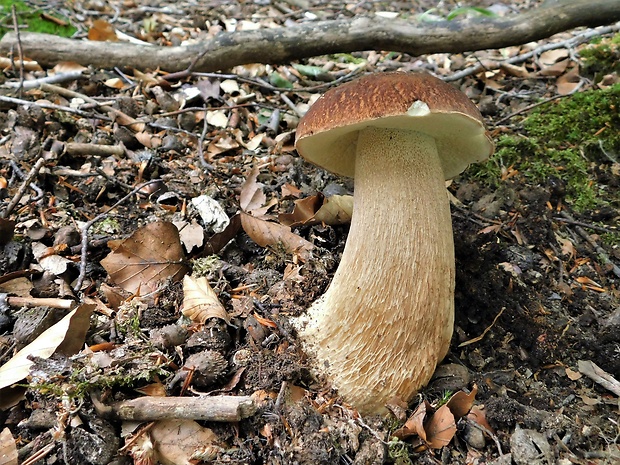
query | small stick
(599,376)
(218,408)
(54,79)
(52,106)
(75,148)
(594,227)
(20,52)
(20,193)
(36,302)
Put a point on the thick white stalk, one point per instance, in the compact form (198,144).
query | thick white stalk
(386,319)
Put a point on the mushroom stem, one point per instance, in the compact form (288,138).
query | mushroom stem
(386,319)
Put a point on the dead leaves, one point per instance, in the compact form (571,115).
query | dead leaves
(436,429)
(148,257)
(254,205)
(66,337)
(200,301)
(317,209)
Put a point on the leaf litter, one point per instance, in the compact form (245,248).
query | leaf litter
(535,308)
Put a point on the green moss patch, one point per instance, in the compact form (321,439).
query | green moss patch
(32,19)
(575,139)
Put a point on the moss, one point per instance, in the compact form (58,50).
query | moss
(601,58)
(26,15)
(565,139)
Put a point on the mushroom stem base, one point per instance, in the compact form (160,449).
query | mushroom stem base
(387,318)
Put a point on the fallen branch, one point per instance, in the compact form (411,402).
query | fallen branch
(284,44)
(217,408)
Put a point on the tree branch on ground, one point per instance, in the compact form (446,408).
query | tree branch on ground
(285,44)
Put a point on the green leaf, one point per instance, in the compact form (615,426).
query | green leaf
(310,71)
(470,9)
(277,80)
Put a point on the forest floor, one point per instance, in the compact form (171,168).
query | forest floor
(536,343)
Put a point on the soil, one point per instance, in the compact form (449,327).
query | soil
(536,291)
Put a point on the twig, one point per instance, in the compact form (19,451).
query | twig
(119,116)
(75,148)
(599,376)
(529,107)
(89,224)
(20,52)
(568,43)
(602,255)
(594,227)
(486,330)
(22,190)
(36,302)
(54,79)
(199,144)
(217,408)
(486,431)
(52,106)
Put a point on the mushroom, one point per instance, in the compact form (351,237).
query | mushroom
(386,320)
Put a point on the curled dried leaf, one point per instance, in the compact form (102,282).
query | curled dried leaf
(200,302)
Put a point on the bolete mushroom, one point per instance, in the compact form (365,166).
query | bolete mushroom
(386,319)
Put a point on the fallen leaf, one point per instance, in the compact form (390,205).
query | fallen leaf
(102,31)
(414,424)
(461,402)
(477,414)
(266,233)
(176,441)
(200,301)
(148,257)
(572,375)
(66,337)
(252,196)
(440,428)
(317,209)
(8,449)
(569,82)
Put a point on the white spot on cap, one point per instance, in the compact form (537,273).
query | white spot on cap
(418,108)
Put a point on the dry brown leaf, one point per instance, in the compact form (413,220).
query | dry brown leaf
(219,240)
(8,449)
(440,428)
(290,192)
(176,441)
(29,65)
(477,414)
(461,402)
(150,256)
(414,424)
(334,210)
(266,233)
(67,67)
(572,375)
(252,196)
(66,337)
(200,301)
(569,82)
(102,31)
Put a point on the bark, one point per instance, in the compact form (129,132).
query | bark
(285,44)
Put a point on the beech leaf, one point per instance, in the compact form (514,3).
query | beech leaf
(334,210)
(148,257)
(67,337)
(200,301)
(266,233)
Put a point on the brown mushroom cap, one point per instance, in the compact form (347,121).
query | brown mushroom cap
(327,134)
